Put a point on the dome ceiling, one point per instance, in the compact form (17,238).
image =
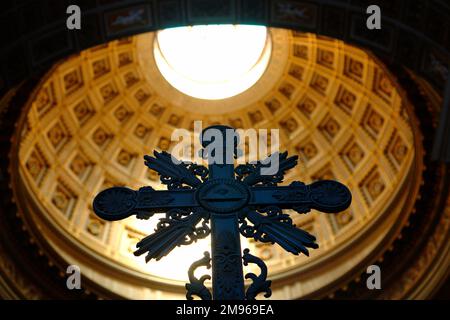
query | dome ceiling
(96,114)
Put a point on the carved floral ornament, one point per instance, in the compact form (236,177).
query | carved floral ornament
(350,127)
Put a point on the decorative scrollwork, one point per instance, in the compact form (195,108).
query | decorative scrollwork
(175,216)
(251,173)
(226,258)
(293,195)
(173,183)
(253,170)
(271,214)
(198,170)
(274,226)
(259,283)
(147,195)
(174,173)
(115,203)
(325,195)
(197,286)
(330,196)
(178,227)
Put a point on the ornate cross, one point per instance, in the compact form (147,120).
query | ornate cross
(225,202)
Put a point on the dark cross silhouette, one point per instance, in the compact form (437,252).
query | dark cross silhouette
(225,202)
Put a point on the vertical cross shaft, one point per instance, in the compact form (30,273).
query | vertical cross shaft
(227,273)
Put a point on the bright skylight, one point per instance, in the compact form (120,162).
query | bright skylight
(212,61)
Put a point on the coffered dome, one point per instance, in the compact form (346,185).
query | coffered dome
(95,115)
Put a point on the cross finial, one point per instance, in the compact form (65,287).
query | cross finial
(226,202)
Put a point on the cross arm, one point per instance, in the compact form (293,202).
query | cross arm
(326,196)
(118,203)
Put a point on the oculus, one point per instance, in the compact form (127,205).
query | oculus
(212,62)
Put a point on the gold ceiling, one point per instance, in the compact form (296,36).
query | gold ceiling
(96,114)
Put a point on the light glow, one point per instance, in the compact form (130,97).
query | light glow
(176,264)
(212,61)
